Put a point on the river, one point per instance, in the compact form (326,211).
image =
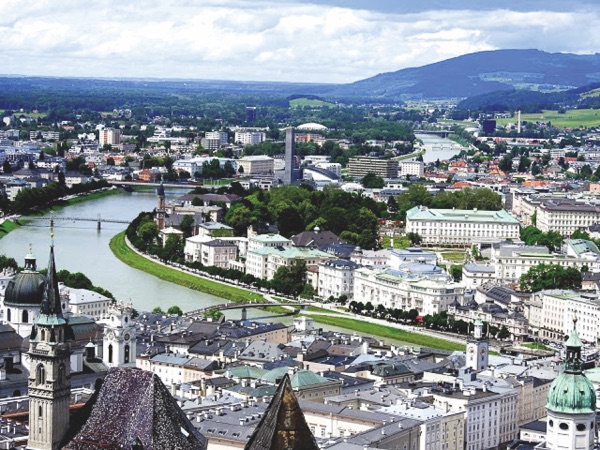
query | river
(438,147)
(79,247)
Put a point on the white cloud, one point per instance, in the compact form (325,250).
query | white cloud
(266,40)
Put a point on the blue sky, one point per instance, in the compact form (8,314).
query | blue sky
(331,41)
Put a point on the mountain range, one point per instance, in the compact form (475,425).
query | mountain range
(480,73)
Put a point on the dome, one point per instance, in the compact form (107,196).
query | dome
(572,392)
(26,288)
(311,126)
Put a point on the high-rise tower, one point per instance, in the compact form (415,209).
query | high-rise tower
(119,344)
(49,377)
(288,177)
(160,207)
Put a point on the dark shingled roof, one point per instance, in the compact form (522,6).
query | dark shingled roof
(132,405)
(283,426)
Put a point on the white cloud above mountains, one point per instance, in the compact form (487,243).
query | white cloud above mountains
(270,40)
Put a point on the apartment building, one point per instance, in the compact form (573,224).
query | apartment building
(566,215)
(385,168)
(249,137)
(459,227)
(413,168)
(551,312)
(264,262)
(109,136)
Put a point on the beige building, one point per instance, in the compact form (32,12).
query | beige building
(109,136)
(256,165)
(218,253)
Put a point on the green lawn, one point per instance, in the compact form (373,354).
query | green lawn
(131,258)
(399,242)
(572,118)
(6,227)
(453,256)
(310,102)
(320,310)
(370,329)
(537,346)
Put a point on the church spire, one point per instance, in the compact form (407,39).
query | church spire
(51,303)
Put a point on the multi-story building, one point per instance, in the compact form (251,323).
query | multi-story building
(219,136)
(459,227)
(249,137)
(256,165)
(551,312)
(385,168)
(490,418)
(336,278)
(414,168)
(567,215)
(218,253)
(264,262)
(47,135)
(84,302)
(397,290)
(268,240)
(109,136)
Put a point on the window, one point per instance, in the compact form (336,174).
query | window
(25,316)
(563,426)
(40,374)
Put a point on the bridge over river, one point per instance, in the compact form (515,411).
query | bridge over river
(199,313)
(98,220)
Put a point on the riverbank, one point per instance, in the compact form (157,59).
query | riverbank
(6,227)
(129,256)
(387,331)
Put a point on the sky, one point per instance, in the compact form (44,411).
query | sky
(322,41)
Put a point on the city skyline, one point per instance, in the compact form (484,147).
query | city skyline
(325,41)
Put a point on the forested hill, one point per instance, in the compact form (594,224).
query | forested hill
(532,101)
(480,73)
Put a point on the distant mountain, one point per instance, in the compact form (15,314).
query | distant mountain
(480,73)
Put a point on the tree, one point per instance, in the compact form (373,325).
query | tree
(110,161)
(148,232)
(175,310)
(157,310)
(372,181)
(6,167)
(186,225)
(503,333)
(550,276)
(290,280)
(414,238)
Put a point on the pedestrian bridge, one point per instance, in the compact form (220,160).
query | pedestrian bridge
(97,219)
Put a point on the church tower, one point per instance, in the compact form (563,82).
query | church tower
(571,403)
(478,348)
(119,344)
(49,376)
(160,207)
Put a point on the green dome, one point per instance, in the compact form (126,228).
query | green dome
(26,288)
(572,393)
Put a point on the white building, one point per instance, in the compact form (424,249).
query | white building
(414,168)
(109,136)
(460,228)
(336,278)
(551,312)
(490,418)
(219,136)
(392,289)
(218,253)
(249,137)
(263,262)
(86,303)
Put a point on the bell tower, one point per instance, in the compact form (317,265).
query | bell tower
(49,376)
(119,344)
(478,348)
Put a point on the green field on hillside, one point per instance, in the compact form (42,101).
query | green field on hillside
(311,102)
(573,118)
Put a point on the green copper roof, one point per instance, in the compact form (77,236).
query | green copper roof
(572,392)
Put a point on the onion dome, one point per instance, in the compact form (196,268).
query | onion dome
(572,392)
(27,287)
